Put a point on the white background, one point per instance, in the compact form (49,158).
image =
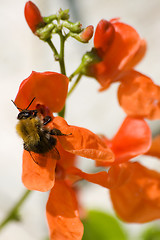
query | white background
(21,52)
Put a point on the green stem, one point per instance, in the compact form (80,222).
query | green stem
(56,55)
(61,55)
(62,66)
(75,84)
(77,71)
(62,112)
(13,214)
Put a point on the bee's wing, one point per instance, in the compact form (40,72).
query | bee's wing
(55,154)
(41,158)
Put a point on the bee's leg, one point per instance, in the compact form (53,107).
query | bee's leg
(46,120)
(57,132)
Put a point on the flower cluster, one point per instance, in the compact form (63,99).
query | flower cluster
(134,189)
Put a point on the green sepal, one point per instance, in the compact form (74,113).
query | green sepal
(73,27)
(63,14)
(91,57)
(88,59)
(50,19)
(45,33)
(77,37)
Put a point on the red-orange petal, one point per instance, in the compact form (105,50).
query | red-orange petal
(138,55)
(116,176)
(139,96)
(67,159)
(62,213)
(82,142)
(138,200)
(100,178)
(155,147)
(104,36)
(132,139)
(127,43)
(48,88)
(41,176)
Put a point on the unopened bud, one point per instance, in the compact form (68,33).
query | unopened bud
(33,16)
(86,34)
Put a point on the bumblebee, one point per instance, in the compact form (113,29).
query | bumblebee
(36,136)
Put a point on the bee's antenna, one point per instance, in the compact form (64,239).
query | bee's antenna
(30,103)
(21,108)
(16,105)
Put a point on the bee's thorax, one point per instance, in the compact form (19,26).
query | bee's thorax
(28,129)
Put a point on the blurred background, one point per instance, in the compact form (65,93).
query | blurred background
(22,52)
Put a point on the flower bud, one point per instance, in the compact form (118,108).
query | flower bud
(33,16)
(86,34)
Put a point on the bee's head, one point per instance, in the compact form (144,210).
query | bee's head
(25,113)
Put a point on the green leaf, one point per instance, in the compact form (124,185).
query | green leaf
(152,233)
(101,226)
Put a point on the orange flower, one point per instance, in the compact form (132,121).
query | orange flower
(138,199)
(50,90)
(120,48)
(43,171)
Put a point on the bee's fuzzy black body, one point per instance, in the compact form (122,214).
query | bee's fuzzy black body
(36,136)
